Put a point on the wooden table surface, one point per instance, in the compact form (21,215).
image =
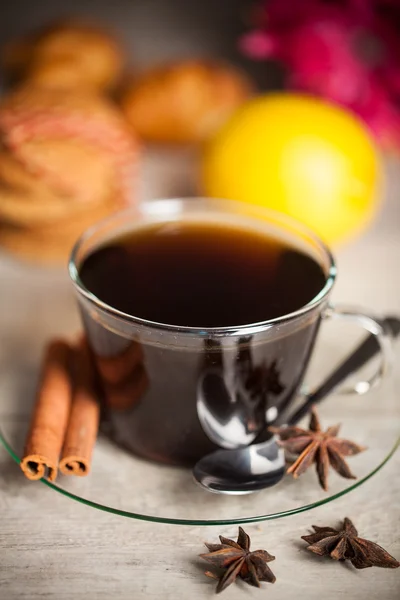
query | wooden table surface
(52,547)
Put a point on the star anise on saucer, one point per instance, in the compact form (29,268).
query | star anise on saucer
(344,544)
(314,446)
(236,560)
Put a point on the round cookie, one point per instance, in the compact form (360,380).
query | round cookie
(185,102)
(54,134)
(51,244)
(26,200)
(66,55)
(71,168)
(75,224)
(28,248)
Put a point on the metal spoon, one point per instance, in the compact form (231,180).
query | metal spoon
(226,411)
(262,465)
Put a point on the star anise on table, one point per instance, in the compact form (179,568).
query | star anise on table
(344,544)
(314,446)
(238,561)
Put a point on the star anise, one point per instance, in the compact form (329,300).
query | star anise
(344,544)
(316,446)
(237,561)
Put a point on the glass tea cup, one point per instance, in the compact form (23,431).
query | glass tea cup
(174,393)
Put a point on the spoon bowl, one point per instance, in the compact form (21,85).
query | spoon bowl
(239,472)
(225,414)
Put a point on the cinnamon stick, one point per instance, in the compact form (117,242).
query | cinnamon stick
(50,416)
(84,418)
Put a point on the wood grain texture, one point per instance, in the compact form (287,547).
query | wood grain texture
(54,548)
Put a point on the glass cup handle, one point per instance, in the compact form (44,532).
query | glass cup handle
(374,326)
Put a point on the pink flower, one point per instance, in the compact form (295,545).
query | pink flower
(347,51)
(258,44)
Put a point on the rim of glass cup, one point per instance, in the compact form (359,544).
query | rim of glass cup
(221,205)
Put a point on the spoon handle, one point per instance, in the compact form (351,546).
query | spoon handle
(367,350)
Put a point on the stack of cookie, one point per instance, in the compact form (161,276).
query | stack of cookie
(65,149)
(65,162)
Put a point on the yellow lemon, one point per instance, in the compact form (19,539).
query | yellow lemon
(299,155)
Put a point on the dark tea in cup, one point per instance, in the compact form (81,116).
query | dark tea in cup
(206,275)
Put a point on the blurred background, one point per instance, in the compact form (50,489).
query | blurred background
(290,105)
(151,31)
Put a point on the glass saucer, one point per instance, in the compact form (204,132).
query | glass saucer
(122,484)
